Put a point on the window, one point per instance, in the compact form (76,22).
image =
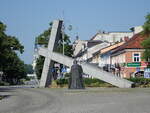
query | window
(136,57)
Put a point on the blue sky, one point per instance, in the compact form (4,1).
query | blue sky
(26,19)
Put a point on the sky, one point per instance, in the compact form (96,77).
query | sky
(26,19)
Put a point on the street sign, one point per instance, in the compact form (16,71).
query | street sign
(147,73)
(135,64)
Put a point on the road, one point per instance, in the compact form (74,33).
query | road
(90,100)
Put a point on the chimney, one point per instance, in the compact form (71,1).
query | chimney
(126,39)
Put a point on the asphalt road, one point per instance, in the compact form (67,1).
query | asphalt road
(95,100)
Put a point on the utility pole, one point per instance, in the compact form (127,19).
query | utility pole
(63,37)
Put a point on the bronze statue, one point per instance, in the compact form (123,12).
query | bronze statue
(76,79)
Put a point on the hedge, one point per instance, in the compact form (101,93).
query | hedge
(140,82)
(89,82)
(4,83)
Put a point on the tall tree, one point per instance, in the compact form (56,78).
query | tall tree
(146,42)
(29,68)
(10,63)
(146,26)
(42,40)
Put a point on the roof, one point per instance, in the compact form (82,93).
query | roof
(92,43)
(108,48)
(109,33)
(111,47)
(132,43)
(93,48)
(94,36)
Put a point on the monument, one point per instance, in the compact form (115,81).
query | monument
(51,55)
(76,81)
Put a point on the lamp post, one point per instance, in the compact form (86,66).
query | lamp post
(63,36)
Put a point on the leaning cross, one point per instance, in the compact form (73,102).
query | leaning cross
(51,56)
(48,63)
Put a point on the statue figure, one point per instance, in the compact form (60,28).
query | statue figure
(76,80)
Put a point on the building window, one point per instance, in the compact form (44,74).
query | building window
(136,57)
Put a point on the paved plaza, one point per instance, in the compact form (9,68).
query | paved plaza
(90,100)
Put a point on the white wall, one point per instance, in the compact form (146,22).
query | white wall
(118,59)
(138,29)
(90,51)
(104,60)
(113,36)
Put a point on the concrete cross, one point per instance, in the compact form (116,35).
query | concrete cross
(51,56)
(48,63)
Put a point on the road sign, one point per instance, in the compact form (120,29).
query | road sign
(135,64)
(147,73)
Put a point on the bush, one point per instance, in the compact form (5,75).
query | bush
(62,81)
(67,75)
(141,82)
(89,82)
(1,97)
(94,82)
(4,83)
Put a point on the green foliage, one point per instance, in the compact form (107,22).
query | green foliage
(94,82)
(43,38)
(39,66)
(146,45)
(10,64)
(146,25)
(29,68)
(67,75)
(2,83)
(1,97)
(146,42)
(62,81)
(89,82)
(14,69)
(144,82)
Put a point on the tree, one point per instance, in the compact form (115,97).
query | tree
(42,40)
(146,42)
(146,26)
(39,66)
(29,68)
(10,63)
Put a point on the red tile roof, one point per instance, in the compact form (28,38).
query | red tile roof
(132,43)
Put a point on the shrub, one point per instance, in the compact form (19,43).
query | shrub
(144,82)
(140,80)
(4,83)
(62,81)
(89,82)
(1,97)
(94,82)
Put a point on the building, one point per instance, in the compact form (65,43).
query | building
(113,37)
(128,57)
(98,49)
(83,50)
(104,54)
